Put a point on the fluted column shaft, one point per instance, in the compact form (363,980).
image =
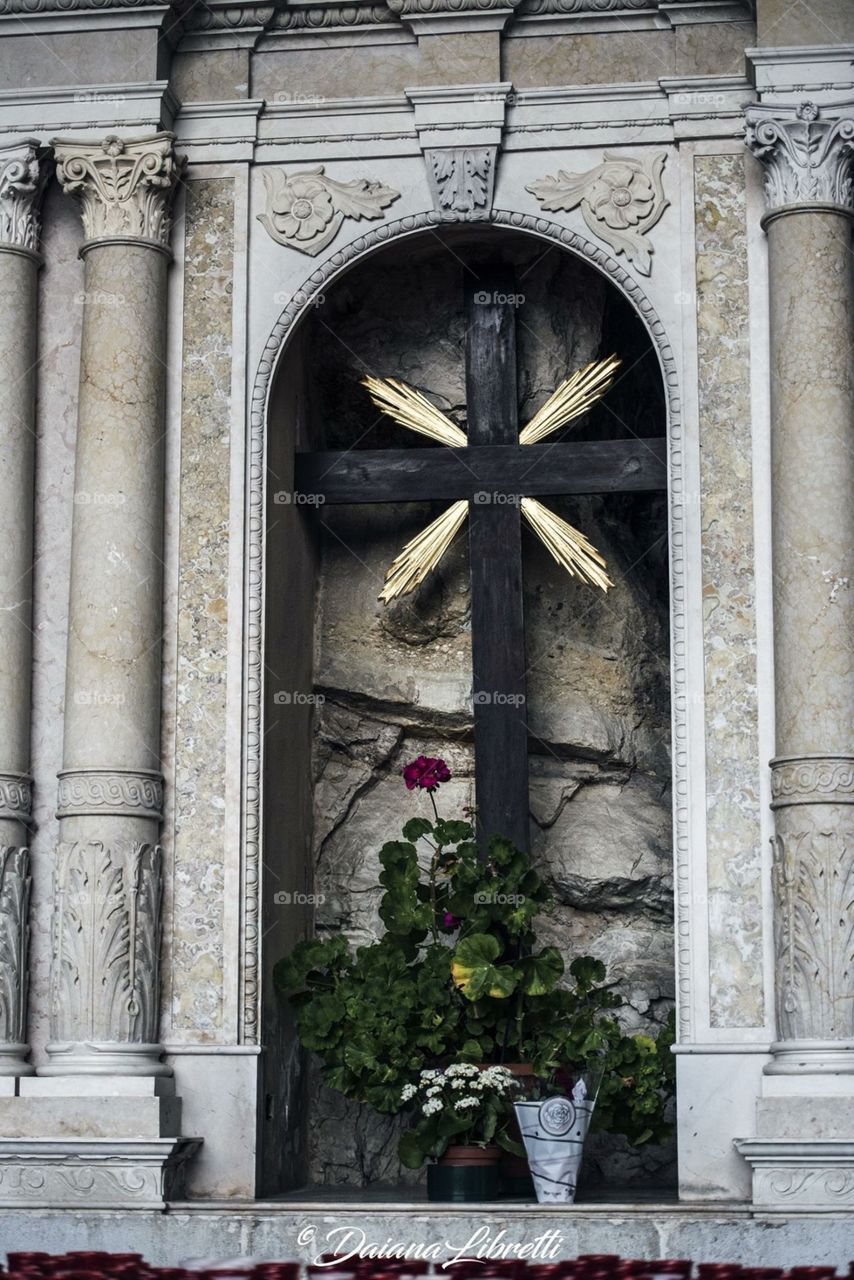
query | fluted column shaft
(808,155)
(22,175)
(106,931)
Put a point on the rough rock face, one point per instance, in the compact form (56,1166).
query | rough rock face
(397,680)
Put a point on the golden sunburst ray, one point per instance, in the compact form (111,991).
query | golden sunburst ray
(569,547)
(572,398)
(423,553)
(411,409)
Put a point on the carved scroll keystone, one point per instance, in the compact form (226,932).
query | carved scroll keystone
(305,211)
(462,180)
(621,200)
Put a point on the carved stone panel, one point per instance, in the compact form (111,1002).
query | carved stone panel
(15,882)
(106,944)
(461,181)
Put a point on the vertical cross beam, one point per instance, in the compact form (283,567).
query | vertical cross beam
(495,541)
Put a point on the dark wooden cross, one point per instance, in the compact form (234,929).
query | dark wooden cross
(492,463)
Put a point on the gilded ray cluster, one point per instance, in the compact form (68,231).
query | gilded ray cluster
(567,545)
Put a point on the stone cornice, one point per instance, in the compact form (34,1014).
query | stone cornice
(124,185)
(807,153)
(23,173)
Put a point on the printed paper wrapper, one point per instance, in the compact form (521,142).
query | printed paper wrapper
(553,1131)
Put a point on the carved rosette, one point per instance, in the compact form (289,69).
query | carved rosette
(23,174)
(305,211)
(105,975)
(462,181)
(813,880)
(15,882)
(621,200)
(807,153)
(125,185)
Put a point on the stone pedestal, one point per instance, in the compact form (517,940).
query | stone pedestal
(101,1126)
(801,1157)
(22,175)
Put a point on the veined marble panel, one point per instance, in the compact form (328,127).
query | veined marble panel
(197,891)
(732,764)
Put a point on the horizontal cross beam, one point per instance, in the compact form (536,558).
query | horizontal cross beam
(413,475)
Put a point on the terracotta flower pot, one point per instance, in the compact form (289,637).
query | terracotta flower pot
(465,1173)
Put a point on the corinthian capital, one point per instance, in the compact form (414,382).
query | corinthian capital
(23,172)
(807,153)
(124,185)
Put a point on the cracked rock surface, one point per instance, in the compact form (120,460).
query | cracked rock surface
(397,680)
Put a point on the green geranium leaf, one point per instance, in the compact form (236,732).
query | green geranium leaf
(474,972)
(541,972)
(415,828)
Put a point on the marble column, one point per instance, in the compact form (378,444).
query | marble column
(807,154)
(106,924)
(22,177)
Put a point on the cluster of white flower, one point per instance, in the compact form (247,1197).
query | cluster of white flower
(457,1077)
(407,1092)
(468,1101)
(462,1069)
(431,1106)
(498,1078)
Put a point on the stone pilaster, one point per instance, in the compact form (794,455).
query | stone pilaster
(22,177)
(808,157)
(106,930)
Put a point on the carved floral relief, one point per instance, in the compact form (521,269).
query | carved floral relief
(305,211)
(621,200)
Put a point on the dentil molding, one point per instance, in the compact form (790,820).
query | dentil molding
(807,153)
(23,173)
(621,200)
(124,185)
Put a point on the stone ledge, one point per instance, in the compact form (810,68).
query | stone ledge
(816,1177)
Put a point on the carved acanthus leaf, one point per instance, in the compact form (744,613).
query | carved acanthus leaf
(15,883)
(305,211)
(620,200)
(124,185)
(461,180)
(23,173)
(807,153)
(106,944)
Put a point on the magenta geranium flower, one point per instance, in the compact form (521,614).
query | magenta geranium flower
(426,773)
(451,921)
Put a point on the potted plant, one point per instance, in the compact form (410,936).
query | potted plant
(460,1121)
(459,976)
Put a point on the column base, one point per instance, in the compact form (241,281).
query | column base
(816,1176)
(75,1058)
(13,1060)
(95,1173)
(811,1057)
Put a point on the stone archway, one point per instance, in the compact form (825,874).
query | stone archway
(323,281)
